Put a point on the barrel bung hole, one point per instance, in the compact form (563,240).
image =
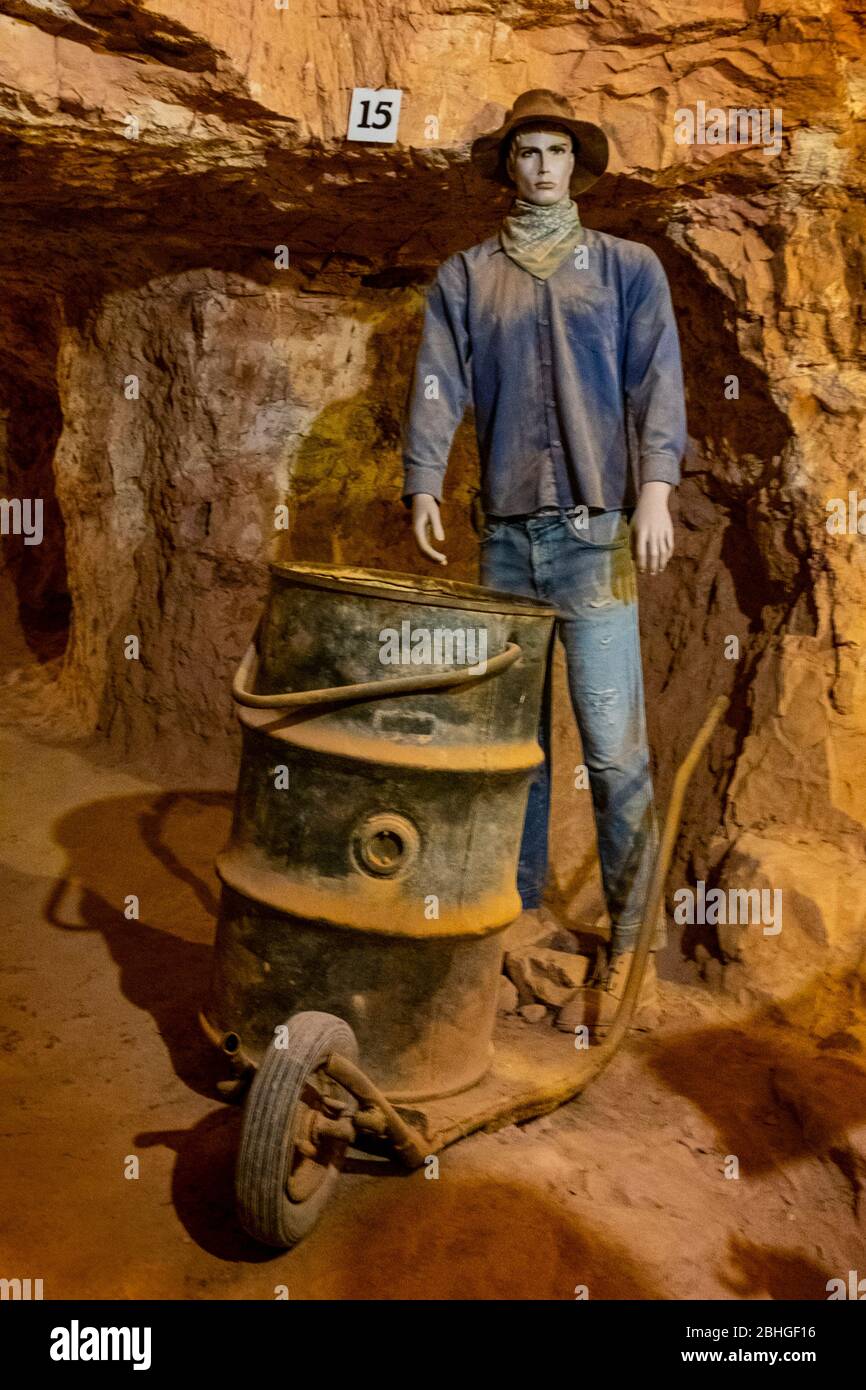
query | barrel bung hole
(385,849)
(385,843)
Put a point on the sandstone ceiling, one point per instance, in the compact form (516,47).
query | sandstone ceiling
(242,120)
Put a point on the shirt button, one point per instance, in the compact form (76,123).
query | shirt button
(556,444)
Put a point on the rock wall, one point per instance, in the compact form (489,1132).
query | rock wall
(165,381)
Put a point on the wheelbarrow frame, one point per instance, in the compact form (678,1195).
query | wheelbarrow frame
(533,1071)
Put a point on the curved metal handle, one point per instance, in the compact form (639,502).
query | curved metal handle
(394,685)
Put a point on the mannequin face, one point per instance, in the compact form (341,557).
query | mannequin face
(540,163)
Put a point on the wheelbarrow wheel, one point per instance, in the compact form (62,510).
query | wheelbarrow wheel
(287,1166)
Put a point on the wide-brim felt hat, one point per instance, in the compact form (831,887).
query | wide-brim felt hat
(489,152)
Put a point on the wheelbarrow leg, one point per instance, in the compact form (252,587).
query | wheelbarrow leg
(408,1142)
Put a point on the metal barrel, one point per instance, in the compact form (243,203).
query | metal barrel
(389,737)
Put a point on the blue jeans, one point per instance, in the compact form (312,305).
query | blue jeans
(587,573)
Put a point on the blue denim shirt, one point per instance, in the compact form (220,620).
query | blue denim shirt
(582,370)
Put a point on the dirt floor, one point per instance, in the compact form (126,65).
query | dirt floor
(623,1192)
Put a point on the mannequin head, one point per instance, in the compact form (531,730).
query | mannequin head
(540,162)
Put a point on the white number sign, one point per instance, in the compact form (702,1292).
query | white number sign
(374,115)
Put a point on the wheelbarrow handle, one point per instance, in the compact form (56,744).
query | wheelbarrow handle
(393,685)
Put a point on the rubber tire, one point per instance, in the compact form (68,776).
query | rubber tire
(263,1206)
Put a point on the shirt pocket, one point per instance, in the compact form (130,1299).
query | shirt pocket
(589,317)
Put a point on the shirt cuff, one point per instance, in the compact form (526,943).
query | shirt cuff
(659,468)
(421,477)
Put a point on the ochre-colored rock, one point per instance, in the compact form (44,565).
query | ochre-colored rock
(546,975)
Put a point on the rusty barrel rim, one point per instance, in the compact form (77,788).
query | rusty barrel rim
(409,588)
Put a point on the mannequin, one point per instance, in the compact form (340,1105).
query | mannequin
(565,339)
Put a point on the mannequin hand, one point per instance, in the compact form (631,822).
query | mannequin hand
(426,519)
(653,528)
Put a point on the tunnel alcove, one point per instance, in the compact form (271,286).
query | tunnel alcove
(36,605)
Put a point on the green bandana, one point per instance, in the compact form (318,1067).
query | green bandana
(539,238)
